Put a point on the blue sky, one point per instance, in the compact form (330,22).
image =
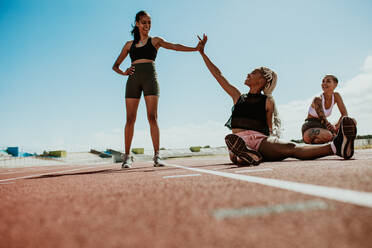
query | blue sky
(58,91)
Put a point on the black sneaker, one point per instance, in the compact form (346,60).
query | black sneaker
(237,145)
(233,157)
(344,140)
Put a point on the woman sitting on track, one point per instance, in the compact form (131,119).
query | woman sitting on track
(252,122)
(317,129)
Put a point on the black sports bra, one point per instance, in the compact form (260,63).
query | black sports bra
(249,113)
(148,51)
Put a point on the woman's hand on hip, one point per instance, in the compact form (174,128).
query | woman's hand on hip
(129,71)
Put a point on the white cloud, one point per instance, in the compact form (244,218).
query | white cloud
(182,136)
(367,64)
(356,94)
(292,116)
(209,133)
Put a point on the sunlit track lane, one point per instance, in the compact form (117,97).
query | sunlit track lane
(110,207)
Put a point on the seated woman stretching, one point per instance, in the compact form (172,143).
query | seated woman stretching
(317,129)
(253,117)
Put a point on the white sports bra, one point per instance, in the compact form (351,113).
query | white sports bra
(327,112)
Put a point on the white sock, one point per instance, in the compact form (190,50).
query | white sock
(333,147)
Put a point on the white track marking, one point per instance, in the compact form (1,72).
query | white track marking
(187,175)
(172,172)
(225,213)
(5,173)
(253,170)
(27,170)
(343,195)
(44,174)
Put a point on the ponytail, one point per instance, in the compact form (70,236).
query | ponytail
(135,30)
(271,79)
(136,34)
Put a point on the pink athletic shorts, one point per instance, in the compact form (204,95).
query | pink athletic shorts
(252,138)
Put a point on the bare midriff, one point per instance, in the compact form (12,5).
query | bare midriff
(139,61)
(312,117)
(238,130)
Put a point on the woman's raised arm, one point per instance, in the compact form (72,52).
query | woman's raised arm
(230,89)
(160,42)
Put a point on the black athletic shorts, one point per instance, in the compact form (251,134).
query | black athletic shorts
(144,79)
(312,123)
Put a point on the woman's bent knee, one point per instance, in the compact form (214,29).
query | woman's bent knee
(306,138)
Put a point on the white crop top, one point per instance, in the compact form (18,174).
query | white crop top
(327,112)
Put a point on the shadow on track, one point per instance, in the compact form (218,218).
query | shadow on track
(131,170)
(106,171)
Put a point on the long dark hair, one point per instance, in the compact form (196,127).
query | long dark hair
(135,31)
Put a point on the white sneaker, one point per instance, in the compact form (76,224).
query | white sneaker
(127,161)
(157,161)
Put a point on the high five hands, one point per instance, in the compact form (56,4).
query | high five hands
(202,43)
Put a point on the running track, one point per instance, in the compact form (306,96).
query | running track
(193,202)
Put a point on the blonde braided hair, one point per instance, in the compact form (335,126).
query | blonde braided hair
(271,79)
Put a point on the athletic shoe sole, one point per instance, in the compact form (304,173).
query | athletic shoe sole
(159,165)
(125,166)
(237,145)
(349,132)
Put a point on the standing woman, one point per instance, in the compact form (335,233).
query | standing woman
(142,77)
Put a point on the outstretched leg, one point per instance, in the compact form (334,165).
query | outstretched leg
(273,149)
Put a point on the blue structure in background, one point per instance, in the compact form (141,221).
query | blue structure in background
(27,154)
(14,151)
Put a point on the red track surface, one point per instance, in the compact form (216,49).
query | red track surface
(104,206)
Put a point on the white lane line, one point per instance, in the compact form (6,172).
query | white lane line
(253,170)
(7,183)
(4,173)
(44,174)
(27,170)
(225,213)
(186,175)
(172,172)
(343,195)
